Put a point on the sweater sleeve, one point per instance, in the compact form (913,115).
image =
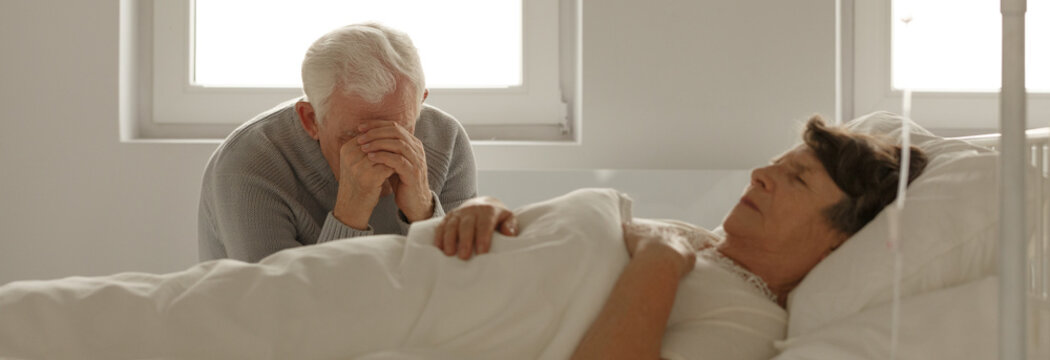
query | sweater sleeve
(251,216)
(404,224)
(333,229)
(461,182)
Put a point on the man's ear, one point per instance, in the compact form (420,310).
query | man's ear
(308,118)
(426,92)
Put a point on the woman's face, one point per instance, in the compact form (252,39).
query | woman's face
(781,213)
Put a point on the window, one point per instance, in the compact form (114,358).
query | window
(460,50)
(206,66)
(950,56)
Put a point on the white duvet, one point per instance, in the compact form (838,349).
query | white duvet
(380,297)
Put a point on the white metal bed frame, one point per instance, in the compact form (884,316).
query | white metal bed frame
(1013,294)
(1024,259)
(1035,247)
(1024,309)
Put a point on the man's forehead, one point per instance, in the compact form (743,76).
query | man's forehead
(349,118)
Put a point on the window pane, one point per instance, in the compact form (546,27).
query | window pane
(261,43)
(956,45)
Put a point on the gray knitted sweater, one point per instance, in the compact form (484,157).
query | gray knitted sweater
(268,188)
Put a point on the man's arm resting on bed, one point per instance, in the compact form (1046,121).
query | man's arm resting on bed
(632,322)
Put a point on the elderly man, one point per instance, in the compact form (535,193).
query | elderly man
(360,154)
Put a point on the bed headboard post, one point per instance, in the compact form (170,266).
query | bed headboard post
(1012,113)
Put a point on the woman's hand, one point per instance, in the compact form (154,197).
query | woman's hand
(468,229)
(680,244)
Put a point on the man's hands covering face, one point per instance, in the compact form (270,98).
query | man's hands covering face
(391,145)
(361,182)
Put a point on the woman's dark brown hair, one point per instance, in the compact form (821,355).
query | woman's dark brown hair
(864,167)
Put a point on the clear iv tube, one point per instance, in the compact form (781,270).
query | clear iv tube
(902,186)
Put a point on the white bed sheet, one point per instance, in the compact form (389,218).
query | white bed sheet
(382,297)
(390,297)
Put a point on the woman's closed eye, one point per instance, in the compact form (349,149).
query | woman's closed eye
(798,178)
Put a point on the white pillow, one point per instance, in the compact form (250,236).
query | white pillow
(949,231)
(954,323)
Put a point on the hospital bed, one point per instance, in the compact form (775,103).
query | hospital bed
(566,258)
(1037,248)
(973,283)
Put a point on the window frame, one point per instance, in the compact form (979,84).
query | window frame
(168,106)
(868,76)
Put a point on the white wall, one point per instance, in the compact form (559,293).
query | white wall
(667,85)
(683,84)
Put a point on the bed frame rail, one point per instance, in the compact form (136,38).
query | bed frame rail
(1038,247)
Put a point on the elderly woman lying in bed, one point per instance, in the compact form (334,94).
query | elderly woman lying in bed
(795,212)
(563,286)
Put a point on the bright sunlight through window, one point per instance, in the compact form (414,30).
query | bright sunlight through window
(956,46)
(261,43)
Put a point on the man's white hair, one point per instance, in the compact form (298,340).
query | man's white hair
(361,59)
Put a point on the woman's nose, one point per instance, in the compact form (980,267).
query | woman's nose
(761,178)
